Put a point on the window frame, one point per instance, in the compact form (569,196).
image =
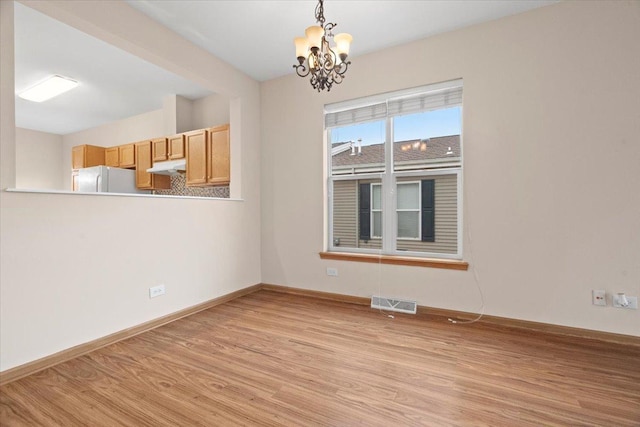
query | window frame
(389,179)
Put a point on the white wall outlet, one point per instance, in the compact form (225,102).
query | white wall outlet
(632,302)
(599,297)
(332,271)
(156,291)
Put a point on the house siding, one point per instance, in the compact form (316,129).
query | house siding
(345,213)
(446,213)
(345,217)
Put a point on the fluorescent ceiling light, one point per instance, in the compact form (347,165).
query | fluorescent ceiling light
(47,89)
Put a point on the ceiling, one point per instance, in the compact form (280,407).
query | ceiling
(255,36)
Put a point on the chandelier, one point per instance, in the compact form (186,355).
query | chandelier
(326,64)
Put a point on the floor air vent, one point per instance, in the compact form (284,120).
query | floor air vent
(403,306)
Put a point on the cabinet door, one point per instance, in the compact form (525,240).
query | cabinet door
(196,147)
(145,179)
(176,147)
(218,172)
(159,149)
(127,155)
(77,157)
(85,156)
(111,157)
(143,157)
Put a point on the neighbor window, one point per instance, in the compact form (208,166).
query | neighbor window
(399,153)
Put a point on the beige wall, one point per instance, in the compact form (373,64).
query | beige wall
(210,111)
(136,128)
(74,268)
(39,160)
(551,158)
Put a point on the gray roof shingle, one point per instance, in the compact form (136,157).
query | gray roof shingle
(403,151)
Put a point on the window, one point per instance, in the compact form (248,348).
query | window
(408,210)
(398,153)
(376,210)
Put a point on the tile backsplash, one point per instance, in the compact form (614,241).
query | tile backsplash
(179,188)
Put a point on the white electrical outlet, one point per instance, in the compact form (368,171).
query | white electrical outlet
(632,302)
(332,271)
(599,297)
(156,291)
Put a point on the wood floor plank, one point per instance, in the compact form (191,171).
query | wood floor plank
(275,359)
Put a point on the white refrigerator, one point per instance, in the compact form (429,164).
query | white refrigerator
(105,179)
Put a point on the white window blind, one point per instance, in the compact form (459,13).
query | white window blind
(428,101)
(397,104)
(408,196)
(356,115)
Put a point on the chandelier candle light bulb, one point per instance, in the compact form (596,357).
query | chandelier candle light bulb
(316,57)
(314,35)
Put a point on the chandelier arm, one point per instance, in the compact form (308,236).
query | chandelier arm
(342,68)
(301,70)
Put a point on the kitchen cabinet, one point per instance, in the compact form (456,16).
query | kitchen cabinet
(196,153)
(159,149)
(127,156)
(176,147)
(144,160)
(120,156)
(111,157)
(85,156)
(218,159)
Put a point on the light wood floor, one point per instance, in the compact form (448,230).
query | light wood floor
(277,359)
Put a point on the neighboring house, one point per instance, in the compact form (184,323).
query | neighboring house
(351,158)
(427,219)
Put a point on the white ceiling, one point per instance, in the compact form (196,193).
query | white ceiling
(255,36)
(113,84)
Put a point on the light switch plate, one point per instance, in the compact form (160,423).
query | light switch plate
(599,297)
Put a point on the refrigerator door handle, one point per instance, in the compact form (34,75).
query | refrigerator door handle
(98,182)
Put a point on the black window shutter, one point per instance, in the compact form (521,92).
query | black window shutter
(428,210)
(365,211)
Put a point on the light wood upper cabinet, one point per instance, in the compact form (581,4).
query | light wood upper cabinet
(120,156)
(159,149)
(196,148)
(218,165)
(111,157)
(144,179)
(127,156)
(176,147)
(86,156)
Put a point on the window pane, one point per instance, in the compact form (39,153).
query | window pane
(408,225)
(377,224)
(427,140)
(358,148)
(375,197)
(408,196)
(353,227)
